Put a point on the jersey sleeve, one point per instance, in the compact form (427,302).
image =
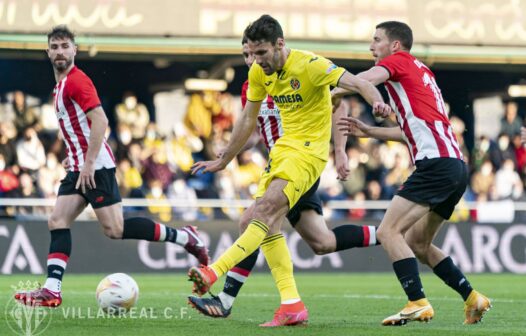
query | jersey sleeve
(83,92)
(394,64)
(323,72)
(256,91)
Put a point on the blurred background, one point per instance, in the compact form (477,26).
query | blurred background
(169,74)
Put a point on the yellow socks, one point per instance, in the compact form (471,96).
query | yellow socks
(280,263)
(247,243)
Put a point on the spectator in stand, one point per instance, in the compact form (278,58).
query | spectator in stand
(459,128)
(510,123)
(506,150)
(356,180)
(30,152)
(133,114)
(48,124)
(397,174)
(8,179)
(7,143)
(23,115)
(180,147)
(129,178)
(485,149)
(247,174)
(156,168)
(374,193)
(483,179)
(162,212)
(508,184)
(520,153)
(49,176)
(180,190)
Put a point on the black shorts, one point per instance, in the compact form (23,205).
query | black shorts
(309,201)
(438,182)
(106,193)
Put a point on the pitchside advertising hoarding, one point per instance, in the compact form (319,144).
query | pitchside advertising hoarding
(24,245)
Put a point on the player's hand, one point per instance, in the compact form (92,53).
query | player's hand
(208,166)
(341,162)
(354,126)
(86,178)
(523,134)
(65,164)
(381,109)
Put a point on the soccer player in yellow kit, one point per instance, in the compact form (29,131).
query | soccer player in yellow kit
(299,83)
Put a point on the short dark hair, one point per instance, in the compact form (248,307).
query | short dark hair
(244,40)
(266,28)
(61,32)
(396,30)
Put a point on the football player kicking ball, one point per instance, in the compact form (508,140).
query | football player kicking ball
(91,175)
(299,82)
(428,197)
(305,217)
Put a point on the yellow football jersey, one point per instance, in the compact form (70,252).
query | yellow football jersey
(302,92)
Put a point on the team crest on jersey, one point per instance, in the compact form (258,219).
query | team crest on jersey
(332,66)
(295,84)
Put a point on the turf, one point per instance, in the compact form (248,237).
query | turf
(339,304)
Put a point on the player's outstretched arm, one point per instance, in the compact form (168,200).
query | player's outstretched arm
(367,90)
(357,128)
(376,75)
(243,128)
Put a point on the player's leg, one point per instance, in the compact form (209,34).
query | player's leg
(399,217)
(106,202)
(307,218)
(269,209)
(221,305)
(420,238)
(292,311)
(67,208)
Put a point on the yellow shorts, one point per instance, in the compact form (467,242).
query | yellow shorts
(300,169)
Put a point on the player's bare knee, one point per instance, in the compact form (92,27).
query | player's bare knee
(320,248)
(268,211)
(112,231)
(55,222)
(383,234)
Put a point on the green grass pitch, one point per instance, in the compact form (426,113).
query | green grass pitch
(339,304)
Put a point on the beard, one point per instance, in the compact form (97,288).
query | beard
(63,65)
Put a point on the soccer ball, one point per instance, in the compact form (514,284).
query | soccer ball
(117,293)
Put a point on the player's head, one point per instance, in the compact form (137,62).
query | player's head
(390,37)
(248,56)
(61,47)
(265,40)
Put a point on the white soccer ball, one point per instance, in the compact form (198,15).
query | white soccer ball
(117,293)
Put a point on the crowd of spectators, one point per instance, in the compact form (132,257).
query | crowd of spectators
(157,166)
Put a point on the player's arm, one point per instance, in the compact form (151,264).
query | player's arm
(367,90)
(376,75)
(243,128)
(357,128)
(341,160)
(99,123)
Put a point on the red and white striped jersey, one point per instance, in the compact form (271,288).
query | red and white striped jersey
(74,96)
(269,119)
(419,107)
